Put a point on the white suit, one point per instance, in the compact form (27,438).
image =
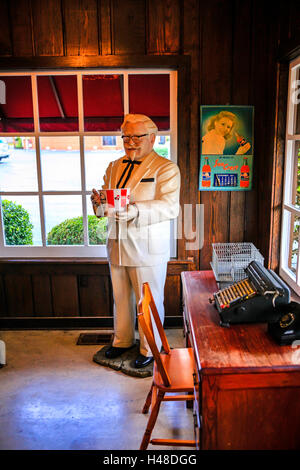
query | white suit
(138,250)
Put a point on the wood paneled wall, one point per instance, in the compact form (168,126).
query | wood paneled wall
(70,288)
(233,49)
(233,46)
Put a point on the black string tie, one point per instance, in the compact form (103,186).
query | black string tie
(128,169)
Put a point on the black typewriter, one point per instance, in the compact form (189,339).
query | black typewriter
(255,299)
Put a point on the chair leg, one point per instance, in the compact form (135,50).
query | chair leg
(148,400)
(152,420)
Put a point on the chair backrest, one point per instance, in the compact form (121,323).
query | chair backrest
(145,308)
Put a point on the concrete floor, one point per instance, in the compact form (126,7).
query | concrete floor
(54,397)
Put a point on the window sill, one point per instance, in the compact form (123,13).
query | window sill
(79,260)
(295,297)
(74,260)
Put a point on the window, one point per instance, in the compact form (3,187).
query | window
(58,133)
(109,140)
(289,259)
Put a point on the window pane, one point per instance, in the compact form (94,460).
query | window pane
(58,103)
(162,146)
(103,102)
(97,228)
(17,112)
(109,140)
(63,216)
(21,217)
(60,157)
(18,164)
(97,159)
(294,243)
(150,94)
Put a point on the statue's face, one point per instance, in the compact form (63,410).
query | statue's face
(141,148)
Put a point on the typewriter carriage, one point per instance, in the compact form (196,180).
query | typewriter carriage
(256,298)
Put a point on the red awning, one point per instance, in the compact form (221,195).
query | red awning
(57,98)
(150,95)
(102,102)
(17,113)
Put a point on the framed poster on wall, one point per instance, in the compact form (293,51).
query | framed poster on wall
(227,144)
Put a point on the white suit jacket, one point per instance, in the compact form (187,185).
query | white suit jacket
(154,188)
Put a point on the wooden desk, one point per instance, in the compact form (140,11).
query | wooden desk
(247,386)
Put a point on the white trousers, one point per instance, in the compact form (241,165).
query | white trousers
(127,284)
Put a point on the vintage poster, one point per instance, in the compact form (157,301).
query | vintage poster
(227,146)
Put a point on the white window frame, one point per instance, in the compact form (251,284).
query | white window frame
(65,251)
(288,207)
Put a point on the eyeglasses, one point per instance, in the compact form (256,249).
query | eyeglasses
(134,138)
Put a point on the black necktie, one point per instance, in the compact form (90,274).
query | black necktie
(128,169)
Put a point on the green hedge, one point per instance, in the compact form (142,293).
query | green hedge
(70,232)
(162,151)
(17,225)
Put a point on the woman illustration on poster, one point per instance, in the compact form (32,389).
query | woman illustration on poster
(220,129)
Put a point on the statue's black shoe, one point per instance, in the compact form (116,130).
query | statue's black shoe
(113,352)
(142,361)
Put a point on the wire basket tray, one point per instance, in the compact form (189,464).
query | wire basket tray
(229,260)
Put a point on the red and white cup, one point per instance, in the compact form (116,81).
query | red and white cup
(115,200)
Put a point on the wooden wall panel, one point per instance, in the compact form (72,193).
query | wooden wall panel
(65,295)
(19,295)
(128,25)
(21,26)
(191,46)
(163,27)
(43,289)
(81,27)
(5,34)
(294,19)
(216,75)
(258,216)
(241,43)
(3,308)
(173,292)
(173,302)
(104,22)
(47,27)
(94,296)
(42,295)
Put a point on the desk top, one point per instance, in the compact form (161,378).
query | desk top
(237,349)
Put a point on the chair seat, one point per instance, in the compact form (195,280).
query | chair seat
(180,366)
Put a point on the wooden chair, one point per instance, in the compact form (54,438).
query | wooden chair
(172,373)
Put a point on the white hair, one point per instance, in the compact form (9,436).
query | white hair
(134,118)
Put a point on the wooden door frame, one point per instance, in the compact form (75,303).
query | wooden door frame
(286,53)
